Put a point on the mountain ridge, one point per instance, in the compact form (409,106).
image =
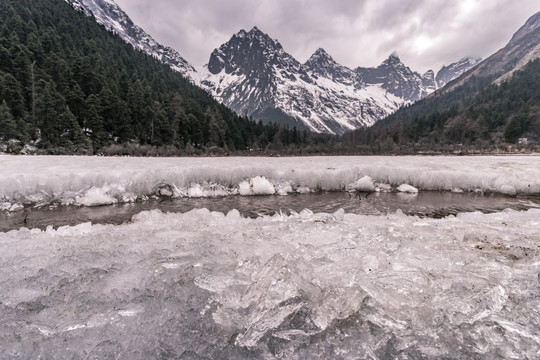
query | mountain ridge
(110,15)
(491,106)
(262,80)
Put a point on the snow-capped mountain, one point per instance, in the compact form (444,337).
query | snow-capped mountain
(253,75)
(110,15)
(398,79)
(323,65)
(452,71)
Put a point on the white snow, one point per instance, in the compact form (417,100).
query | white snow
(95,196)
(256,186)
(406,188)
(88,181)
(363,184)
(459,287)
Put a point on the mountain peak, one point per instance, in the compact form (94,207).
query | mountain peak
(321,52)
(246,52)
(530,25)
(255,32)
(255,29)
(393,59)
(448,73)
(320,58)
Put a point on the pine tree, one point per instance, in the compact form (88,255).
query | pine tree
(49,104)
(11,92)
(72,136)
(513,130)
(8,126)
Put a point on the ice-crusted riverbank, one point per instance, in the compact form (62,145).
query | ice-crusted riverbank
(210,285)
(88,181)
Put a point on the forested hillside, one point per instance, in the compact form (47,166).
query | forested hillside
(67,85)
(479,115)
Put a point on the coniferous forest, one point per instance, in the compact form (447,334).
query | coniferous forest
(69,86)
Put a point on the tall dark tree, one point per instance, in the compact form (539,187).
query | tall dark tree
(8,126)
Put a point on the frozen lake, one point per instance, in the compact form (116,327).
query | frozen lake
(353,277)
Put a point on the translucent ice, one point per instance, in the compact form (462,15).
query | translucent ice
(309,285)
(88,181)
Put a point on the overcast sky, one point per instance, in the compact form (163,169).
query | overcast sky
(425,33)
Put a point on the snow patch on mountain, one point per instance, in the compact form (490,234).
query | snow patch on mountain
(454,70)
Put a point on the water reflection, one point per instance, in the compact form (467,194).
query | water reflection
(425,204)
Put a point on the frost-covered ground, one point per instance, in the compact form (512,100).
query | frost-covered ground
(306,286)
(205,285)
(86,181)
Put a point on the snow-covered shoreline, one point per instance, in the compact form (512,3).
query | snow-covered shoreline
(88,181)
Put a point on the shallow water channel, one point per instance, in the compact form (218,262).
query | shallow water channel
(424,204)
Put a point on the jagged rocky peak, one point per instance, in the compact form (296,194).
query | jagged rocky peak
(394,63)
(322,64)
(397,79)
(449,72)
(530,25)
(429,75)
(245,51)
(320,58)
(393,59)
(428,81)
(257,38)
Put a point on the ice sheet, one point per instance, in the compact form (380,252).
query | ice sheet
(209,285)
(87,181)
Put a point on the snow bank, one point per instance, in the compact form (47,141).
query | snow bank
(363,184)
(86,181)
(306,286)
(256,186)
(406,188)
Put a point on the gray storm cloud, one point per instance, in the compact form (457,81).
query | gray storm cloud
(425,33)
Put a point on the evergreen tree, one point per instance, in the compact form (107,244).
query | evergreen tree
(49,105)
(513,130)
(11,92)
(72,136)
(8,126)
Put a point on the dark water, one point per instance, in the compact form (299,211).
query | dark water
(425,204)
